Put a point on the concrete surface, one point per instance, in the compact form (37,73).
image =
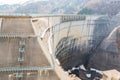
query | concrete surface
(111,75)
(33,56)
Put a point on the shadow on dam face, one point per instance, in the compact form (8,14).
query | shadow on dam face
(99,48)
(70,53)
(87,50)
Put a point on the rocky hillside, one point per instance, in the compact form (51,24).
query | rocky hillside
(107,7)
(8,8)
(46,7)
(52,6)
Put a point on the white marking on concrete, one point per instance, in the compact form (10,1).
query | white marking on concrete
(0,23)
(10,75)
(57,61)
(88,75)
(44,32)
(75,68)
(82,67)
(49,44)
(28,74)
(69,71)
(98,71)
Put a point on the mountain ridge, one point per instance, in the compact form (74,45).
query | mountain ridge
(48,7)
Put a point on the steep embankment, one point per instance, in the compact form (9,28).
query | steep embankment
(109,7)
(107,56)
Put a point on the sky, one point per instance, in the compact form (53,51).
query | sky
(14,1)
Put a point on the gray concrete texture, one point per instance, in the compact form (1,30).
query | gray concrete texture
(88,33)
(10,47)
(108,52)
(33,55)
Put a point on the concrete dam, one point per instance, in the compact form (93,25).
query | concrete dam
(47,47)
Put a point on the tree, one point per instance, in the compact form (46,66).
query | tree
(86,11)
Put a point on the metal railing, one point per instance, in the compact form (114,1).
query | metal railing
(18,36)
(26,69)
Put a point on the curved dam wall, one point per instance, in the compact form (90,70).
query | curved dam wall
(77,37)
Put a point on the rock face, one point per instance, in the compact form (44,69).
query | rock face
(109,7)
(111,75)
(107,56)
(51,7)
